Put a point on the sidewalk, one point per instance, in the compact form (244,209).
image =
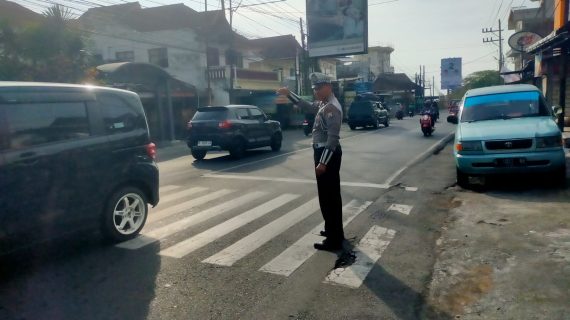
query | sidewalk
(504,254)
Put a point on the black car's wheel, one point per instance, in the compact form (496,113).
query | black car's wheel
(387,122)
(199,154)
(376,124)
(124,214)
(352,127)
(237,150)
(462,179)
(276,142)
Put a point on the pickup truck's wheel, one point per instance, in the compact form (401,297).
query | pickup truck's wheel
(462,179)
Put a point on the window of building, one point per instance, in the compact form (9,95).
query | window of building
(213,56)
(234,57)
(158,56)
(32,124)
(125,56)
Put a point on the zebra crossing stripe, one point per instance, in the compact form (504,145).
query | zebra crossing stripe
(401,208)
(181,194)
(168,188)
(368,251)
(188,246)
(169,211)
(292,258)
(250,243)
(179,225)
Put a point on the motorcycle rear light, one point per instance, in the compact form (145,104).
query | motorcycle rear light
(151,150)
(225,124)
(305,122)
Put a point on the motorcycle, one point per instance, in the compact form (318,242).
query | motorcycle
(308,124)
(426,123)
(411,113)
(400,114)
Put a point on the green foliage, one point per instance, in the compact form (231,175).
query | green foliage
(479,79)
(50,51)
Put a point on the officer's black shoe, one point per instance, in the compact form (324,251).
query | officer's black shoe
(323,233)
(328,245)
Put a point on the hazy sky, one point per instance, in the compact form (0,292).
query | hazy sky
(421,31)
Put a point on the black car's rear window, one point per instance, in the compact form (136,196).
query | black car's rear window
(360,108)
(211,113)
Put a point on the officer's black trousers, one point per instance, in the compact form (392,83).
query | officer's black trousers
(328,185)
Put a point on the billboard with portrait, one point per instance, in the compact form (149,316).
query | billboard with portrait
(337,27)
(451,77)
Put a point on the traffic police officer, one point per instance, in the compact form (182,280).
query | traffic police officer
(327,156)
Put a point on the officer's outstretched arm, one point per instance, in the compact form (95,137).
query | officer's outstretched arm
(305,105)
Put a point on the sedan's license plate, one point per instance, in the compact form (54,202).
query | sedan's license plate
(204,143)
(511,162)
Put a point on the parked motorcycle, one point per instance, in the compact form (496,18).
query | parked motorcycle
(426,123)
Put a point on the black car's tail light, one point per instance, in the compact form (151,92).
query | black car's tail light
(151,150)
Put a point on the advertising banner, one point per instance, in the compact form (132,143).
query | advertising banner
(451,77)
(337,27)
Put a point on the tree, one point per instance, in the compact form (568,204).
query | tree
(479,79)
(51,51)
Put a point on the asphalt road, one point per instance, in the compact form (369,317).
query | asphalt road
(233,239)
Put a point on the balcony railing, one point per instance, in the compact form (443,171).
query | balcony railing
(223,72)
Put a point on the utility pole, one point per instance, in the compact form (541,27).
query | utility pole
(498,33)
(304,62)
(231,55)
(208,79)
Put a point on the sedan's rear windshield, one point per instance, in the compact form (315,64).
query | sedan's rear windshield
(360,108)
(504,106)
(211,114)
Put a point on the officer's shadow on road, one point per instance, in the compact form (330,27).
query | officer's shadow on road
(405,302)
(78,278)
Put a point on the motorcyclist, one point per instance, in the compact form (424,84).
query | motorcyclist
(428,110)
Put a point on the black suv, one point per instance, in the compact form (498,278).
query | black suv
(235,128)
(72,157)
(367,113)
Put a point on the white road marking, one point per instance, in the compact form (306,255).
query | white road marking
(294,180)
(368,251)
(247,245)
(181,207)
(416,159)
(401,208)
(412,189)
(177,226)
(181,194)
(292,258)
(188,246)
(168,188)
